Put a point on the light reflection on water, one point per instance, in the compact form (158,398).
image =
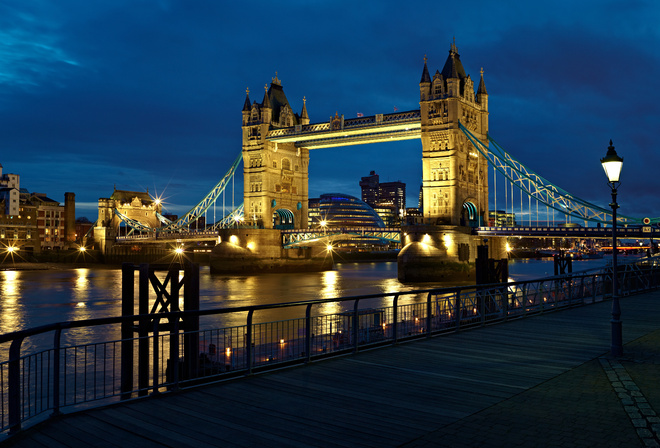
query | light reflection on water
(32,298)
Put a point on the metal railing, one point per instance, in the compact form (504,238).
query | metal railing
(78,363)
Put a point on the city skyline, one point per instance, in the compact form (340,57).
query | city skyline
(149,96)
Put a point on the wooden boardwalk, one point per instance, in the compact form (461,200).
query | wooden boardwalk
(378,398)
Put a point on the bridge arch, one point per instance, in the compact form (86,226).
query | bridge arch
(470,214)
(283,219)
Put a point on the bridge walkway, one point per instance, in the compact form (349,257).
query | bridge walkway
(543,381)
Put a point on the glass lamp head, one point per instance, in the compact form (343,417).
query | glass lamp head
(612,164)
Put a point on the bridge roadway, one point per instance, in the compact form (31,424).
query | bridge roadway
(543,381)
(569,232)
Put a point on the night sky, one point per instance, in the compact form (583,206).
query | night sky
(148,94)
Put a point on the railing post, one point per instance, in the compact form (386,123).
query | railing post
(56,371)
(248,341)
(482,306)
(457,309)
(191,324)
(428,316)
(14,374)
(174,352)
(356,322)
(156,351)
(127,309)
(593,288)
(505,303)
(395,319)
(308,333)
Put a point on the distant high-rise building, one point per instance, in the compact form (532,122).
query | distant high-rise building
(388,197)
(501,218)
(394,194)
(370,188)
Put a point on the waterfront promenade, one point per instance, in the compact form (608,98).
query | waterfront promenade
(545,381)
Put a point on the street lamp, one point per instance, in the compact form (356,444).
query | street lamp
(612,165)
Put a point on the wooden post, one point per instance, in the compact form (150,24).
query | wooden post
(143,330)
(127,309)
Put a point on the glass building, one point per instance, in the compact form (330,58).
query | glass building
(342,210)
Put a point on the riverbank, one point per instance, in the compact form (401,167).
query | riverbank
(45,266)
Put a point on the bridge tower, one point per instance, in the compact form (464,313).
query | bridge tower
(275,176)
(454,175)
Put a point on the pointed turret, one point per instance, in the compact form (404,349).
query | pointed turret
(304,118)
(482,84)
(425,73)
(247,107)
(453,72)
(266,101)
(425,83)
(266,111)
(482,94)
(247,104)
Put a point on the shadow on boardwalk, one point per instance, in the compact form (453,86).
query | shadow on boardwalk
(544,381)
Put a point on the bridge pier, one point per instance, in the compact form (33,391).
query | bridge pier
(253,251)
(443,253)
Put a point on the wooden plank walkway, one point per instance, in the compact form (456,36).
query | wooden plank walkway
(378,398)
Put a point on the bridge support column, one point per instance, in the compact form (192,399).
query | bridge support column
(442,253)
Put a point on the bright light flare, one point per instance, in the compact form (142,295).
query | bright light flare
(329,247)
(178,250)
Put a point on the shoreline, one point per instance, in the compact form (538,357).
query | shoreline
(48,266)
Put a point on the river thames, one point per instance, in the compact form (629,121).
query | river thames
(32,298)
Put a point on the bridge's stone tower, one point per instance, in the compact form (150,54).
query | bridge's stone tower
(137,205)
(275,176)
(455,176)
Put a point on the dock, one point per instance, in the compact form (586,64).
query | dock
(545,381)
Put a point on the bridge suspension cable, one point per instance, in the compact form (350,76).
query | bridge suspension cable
(540,189)
(193,214)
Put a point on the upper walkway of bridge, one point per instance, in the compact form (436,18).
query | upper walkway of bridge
(543,381)
(352,131)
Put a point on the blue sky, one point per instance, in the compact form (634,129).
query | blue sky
(148,94)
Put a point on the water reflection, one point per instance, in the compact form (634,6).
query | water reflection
(32,298)
(10,306)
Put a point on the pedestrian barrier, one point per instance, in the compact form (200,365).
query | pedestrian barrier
(68,366)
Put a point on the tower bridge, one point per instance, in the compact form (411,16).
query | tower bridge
(272,231)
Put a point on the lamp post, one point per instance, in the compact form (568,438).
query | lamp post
(612,165)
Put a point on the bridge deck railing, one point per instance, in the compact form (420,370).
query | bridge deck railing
(77,364)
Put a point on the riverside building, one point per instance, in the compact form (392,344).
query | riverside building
(33,222)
